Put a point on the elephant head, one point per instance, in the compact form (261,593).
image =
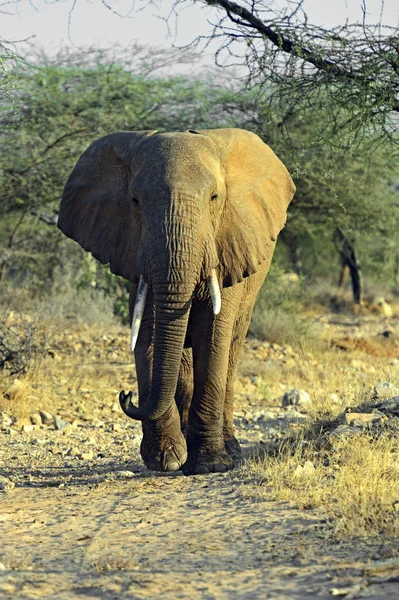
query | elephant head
(169,210)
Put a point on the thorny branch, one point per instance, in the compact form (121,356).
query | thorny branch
(354,67)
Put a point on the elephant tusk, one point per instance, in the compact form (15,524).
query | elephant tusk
(138,311)
(214,291)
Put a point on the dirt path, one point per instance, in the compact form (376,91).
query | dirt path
(87,520)
(167,537)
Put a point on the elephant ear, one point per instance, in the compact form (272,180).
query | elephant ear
(96,210)
(258,192)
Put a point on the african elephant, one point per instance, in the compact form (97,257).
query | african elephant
(191,220)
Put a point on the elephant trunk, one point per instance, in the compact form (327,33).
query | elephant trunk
(172,267)
(172,308)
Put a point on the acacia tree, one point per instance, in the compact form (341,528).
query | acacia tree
(356,65)
(352,192)
(353,67)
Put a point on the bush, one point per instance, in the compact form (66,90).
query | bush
(22,343)
(278,326)
(275,318)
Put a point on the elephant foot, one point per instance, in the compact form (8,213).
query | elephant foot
(163,447)
(165,454)
(202,461)
(233,449)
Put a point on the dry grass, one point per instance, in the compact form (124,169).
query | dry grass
(278,326)
(115,562)
(354,480)
(54,354)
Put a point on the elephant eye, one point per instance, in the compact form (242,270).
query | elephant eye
(214,197)
(135,200)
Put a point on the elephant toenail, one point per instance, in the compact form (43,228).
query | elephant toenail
(172,466)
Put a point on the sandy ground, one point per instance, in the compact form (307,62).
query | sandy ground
(101,525)
(170,537)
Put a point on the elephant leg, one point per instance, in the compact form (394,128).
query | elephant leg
(252,286)
(211,339)
(240,331)
(163,447)
(185,388)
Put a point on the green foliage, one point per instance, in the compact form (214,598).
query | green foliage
(98,278)
(58,108)
(352,189)
(275,318)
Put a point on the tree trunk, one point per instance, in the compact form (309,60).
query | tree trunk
(9,245)
(349,265)
(343,276)
(292,242)
(396,269)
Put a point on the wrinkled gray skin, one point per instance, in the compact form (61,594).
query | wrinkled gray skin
(170,208)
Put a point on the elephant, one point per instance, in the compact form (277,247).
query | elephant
(190,219)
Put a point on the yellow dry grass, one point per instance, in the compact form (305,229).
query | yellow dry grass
(72,365)
(353,480)
(355,483)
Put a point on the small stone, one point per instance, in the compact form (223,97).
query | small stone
(60,423)
(344,431)
(38,441)
(346,591)
(304,471)
(363,419)
(124,474)
(384,389)
(116,427)
(390,405)
(6,421)
(271,431)
(19,423)
(36,418)
(335,399)
(47,418)
(380,306)
(87,455)
(27,428)
(115,407)
(6,484)
(295,397)
(268,415)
